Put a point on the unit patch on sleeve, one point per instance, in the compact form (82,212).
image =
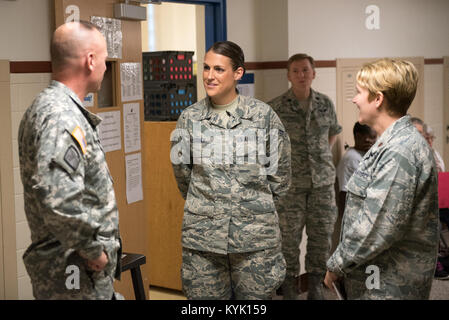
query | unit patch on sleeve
(78,134)
(72,158)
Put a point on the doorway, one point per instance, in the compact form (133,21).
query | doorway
(177,27)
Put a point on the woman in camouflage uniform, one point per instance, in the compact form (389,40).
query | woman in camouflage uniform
(230,236)
(389,240)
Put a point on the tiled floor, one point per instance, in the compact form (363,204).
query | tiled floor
(157,293)
(440,291)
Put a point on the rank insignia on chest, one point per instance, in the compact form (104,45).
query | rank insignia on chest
(79,136)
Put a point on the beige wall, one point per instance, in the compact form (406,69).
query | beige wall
(25,29)
(260,28)
(329,29)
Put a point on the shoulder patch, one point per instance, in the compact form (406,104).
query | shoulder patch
(79,136)
(72,158)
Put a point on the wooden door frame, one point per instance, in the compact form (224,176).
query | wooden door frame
(8,254)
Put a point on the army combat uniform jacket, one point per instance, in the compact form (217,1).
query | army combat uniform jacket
(69,198)
(309,132)
(230,198)
(390,224)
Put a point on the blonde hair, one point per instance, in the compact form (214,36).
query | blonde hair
(396,79)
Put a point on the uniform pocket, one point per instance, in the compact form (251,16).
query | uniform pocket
(254,190)
(275,269)
(358,184)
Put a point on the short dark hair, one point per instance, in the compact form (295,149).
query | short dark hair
(59,52)
(361,128)
(416,120)
(300,56)
(232,51)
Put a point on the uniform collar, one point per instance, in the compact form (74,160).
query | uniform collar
(244,110)
(93,119)
(315,99)
(392,131)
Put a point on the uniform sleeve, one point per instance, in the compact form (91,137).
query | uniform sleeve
(377,213)
(279,172)
(67,213)
(334,128)
(180,155)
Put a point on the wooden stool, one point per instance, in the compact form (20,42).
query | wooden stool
(132,261)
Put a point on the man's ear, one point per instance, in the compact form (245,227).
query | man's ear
(90,61)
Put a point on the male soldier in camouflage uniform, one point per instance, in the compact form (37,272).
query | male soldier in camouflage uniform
(69,198)
(389,240)
(310,120)
(230,235)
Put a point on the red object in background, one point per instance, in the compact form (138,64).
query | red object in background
(443,190)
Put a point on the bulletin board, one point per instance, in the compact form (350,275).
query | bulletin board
(133,219)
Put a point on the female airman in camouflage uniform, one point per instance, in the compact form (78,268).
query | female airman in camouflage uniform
(230,235)
(389,240)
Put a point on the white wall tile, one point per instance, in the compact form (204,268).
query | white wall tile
(45,78)
(25,288)
(21,270)
(21,78)
(15,97)
(15,153)
(18,187)
(19,208)
(23,235)
(16,117)
(28,92)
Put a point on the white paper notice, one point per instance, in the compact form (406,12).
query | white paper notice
(89,100)
(131,81)
(134,191)
(131,120)
(109,131)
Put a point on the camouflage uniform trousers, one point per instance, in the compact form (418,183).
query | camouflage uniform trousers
(242,276)
(58,284)
(316,209)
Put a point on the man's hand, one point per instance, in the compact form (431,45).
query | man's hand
(99,263)
(329,279)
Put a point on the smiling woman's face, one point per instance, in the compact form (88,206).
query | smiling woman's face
(219,79)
